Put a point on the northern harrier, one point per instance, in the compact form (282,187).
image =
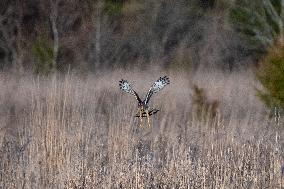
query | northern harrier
(143,107)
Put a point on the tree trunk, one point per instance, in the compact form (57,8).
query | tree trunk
(281,23)
(53,19)
(98,34)
(16,43)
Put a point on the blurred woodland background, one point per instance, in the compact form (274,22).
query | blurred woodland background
(64,123)
(44,36)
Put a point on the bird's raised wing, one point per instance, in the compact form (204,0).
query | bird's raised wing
(126,87)
(156,87)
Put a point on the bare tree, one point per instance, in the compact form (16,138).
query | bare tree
(98,32)
(6,43)
(53,20)
(11,34)
(96,7)
(281,22)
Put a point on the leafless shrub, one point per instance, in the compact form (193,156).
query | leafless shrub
(202,105)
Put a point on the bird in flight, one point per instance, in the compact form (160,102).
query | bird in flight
(143,107)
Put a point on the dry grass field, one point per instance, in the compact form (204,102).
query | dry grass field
(80,132)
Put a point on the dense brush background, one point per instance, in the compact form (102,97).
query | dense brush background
(106,34)
(64,123)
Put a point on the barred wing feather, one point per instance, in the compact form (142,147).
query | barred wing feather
(157,86)
(126,87)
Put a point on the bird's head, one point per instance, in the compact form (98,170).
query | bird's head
(141,105)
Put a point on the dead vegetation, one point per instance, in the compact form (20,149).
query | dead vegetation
(69,132)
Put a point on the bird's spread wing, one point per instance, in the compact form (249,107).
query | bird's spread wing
(126,87)
(157,86)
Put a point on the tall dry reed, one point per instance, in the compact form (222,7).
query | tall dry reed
(79,132)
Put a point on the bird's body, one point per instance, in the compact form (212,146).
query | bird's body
(143,107)
(150,112)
